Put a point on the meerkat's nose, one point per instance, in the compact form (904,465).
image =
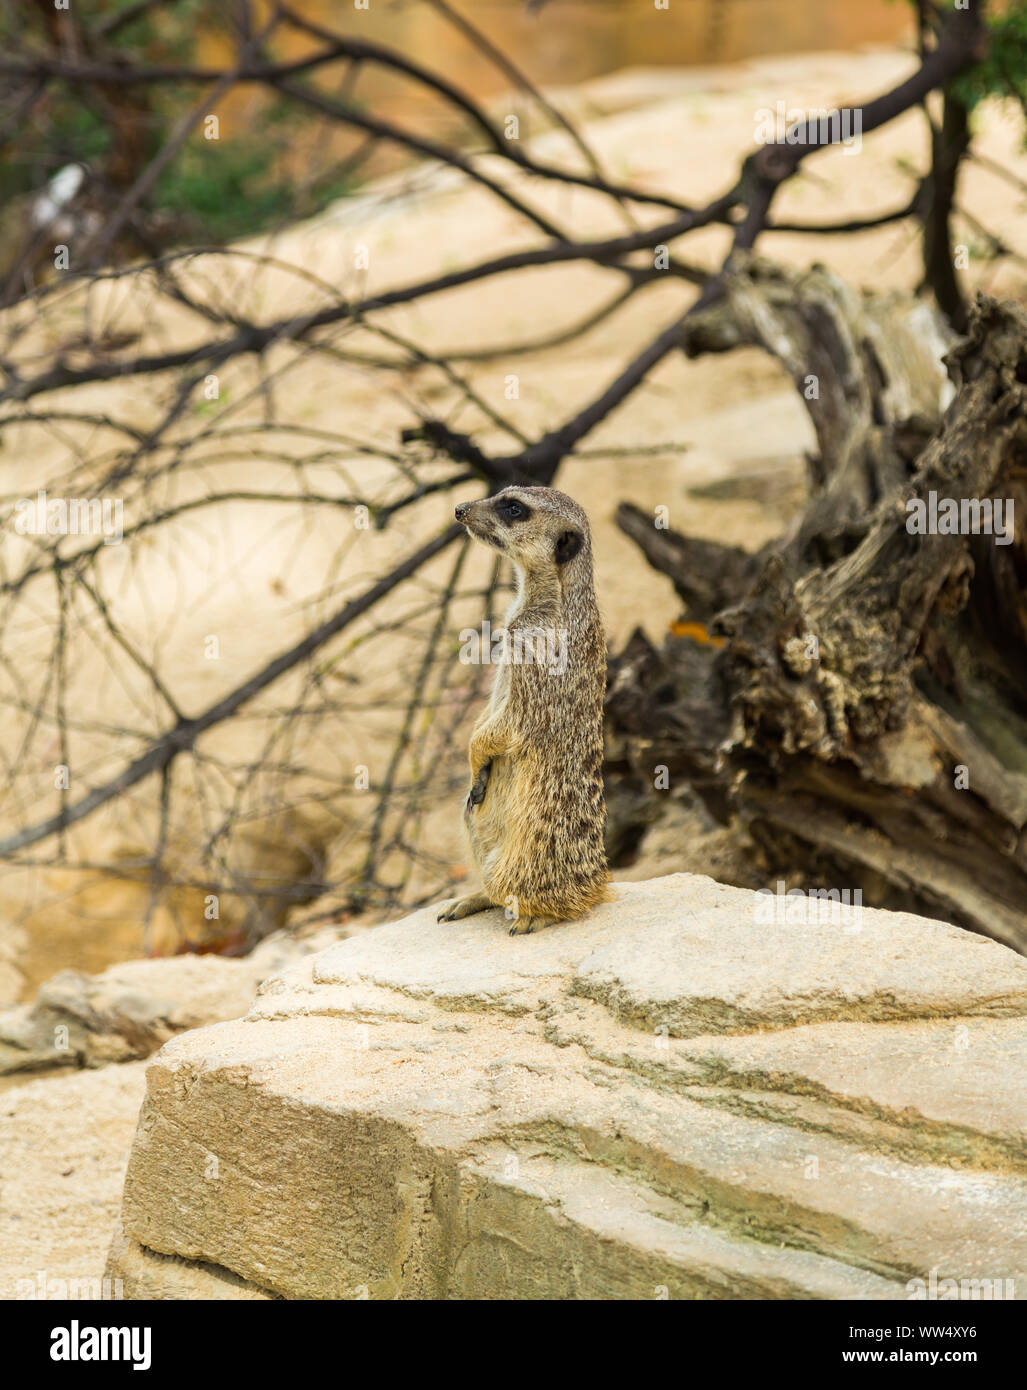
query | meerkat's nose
(461,511)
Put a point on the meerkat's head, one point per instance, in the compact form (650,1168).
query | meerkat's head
(537,527)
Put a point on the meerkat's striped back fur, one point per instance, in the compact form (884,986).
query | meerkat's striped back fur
(536,813)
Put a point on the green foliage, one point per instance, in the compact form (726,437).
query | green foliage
(246,182)
(166,34)
(229,187)
(213,190)
(1004,70)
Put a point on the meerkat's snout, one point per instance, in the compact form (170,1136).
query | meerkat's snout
(482,521)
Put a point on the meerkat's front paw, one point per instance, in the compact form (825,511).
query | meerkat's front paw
(455,908)
(523,926)
(477,793)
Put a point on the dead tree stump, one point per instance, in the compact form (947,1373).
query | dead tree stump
(865,715)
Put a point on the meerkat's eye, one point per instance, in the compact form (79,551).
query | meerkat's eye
(511,510)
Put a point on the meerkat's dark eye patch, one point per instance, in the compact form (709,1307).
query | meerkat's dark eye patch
(567,546)
(510,509)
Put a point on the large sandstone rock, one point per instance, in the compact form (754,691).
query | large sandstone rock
(670,1098)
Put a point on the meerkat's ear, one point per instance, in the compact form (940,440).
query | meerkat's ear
(568,543)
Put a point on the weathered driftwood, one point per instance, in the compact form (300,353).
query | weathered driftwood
(866,715)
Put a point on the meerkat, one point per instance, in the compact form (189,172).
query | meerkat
(535,813)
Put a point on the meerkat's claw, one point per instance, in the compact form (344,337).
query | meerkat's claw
(523,926)
(455,908)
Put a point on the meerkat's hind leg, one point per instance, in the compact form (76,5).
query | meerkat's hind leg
(523,926)
(456,908)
